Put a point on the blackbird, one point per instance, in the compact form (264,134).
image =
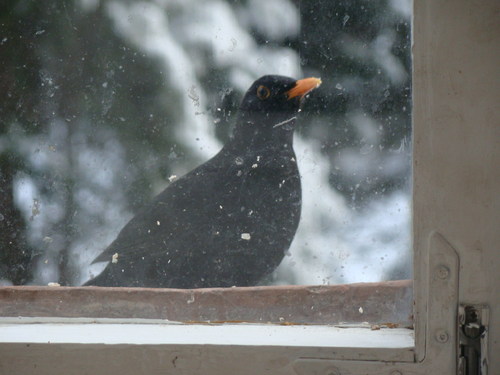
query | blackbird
(229,221)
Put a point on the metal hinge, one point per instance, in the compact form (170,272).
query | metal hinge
(472,340)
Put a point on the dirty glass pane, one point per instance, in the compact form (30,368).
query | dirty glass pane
(106,103)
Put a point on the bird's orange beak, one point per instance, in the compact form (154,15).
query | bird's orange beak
(303,87)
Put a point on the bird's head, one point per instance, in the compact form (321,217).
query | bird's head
(271,104)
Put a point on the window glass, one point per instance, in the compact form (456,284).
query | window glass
(105,104)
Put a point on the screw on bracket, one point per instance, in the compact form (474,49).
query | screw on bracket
(443,272)
(442,336)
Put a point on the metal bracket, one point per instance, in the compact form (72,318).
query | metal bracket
(473,323)
(438,300)
(441,335)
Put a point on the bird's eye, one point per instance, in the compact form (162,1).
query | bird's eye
(263,92)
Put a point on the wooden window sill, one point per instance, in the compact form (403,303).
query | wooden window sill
(384,303)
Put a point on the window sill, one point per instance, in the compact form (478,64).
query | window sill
(388,303)
(357,342)
(82,330)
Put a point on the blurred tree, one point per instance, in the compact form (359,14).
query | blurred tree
(365,105)
(19,103)
(90,115)
(65,77)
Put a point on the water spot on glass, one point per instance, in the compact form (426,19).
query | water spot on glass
(234,42)
(344,21)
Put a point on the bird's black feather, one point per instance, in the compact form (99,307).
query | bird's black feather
(227,222)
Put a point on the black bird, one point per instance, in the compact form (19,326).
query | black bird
(229,221)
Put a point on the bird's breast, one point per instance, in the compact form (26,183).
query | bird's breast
(265,187)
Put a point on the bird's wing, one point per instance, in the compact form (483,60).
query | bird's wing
(165,222)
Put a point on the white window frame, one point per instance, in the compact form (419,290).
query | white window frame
(455,201)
